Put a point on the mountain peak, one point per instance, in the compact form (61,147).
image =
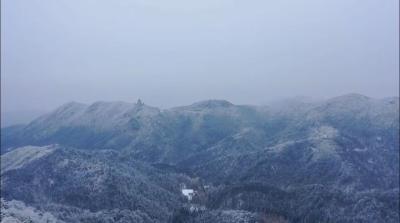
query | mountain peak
(212,104)
(69,108)
(351,96)
(101,105)
(70,105)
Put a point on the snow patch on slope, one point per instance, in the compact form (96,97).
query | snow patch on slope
(99,116)
(324,132)
(24,155)
(17,212)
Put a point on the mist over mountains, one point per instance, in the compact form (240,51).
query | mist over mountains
(335,160)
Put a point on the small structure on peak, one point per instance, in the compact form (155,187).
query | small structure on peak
(139,102)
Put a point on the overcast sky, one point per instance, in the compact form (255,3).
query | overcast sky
(176,52)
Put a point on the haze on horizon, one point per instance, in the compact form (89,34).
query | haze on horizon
(178,52)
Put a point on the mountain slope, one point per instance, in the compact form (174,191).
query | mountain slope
(332,160)
(66,179)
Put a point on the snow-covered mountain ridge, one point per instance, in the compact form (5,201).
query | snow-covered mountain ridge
(298,161)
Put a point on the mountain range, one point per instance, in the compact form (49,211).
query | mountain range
(335,160)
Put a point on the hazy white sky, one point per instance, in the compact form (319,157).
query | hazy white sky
(176,52)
